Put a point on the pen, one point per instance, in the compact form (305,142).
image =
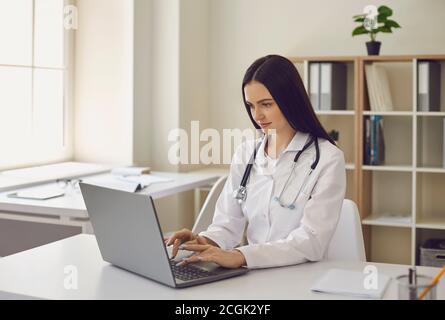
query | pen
(432,284)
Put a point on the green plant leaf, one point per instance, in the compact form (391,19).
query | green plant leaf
(362,19)
(359,30)
(391,24)
(385,11)
(384,29)
(382,18)
(359,16)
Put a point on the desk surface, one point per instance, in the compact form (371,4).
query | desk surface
(27,177)
(72,204)
(39,273)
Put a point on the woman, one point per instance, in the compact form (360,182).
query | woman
(291,212)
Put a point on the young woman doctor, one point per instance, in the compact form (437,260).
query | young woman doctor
(290,196)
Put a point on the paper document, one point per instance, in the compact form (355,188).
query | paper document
(130,171)
(41,193)
(144,180)
(129,184)
(352,283)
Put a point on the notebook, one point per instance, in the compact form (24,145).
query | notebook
(350,283)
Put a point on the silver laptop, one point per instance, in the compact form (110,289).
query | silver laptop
(129,236)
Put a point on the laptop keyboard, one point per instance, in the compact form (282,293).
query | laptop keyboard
(188,272)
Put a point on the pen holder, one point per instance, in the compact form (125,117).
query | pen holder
(407,291)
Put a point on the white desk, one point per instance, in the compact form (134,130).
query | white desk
(27,177)
(70,209)
(39,273)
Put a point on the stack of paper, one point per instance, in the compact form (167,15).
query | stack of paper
(378,88)
(352,283)
(128,183)
(130,171)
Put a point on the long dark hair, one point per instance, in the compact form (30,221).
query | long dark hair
(281,78)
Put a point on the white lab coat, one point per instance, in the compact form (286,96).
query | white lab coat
(280,236)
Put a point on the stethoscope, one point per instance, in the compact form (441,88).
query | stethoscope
(240,194)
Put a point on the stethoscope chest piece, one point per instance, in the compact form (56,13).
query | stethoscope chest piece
(240,194)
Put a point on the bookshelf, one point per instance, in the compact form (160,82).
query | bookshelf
(401,202)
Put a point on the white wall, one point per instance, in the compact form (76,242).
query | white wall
(104,82)
(242,31)
(142,80)
(180,89)
(165,79)
(194,66)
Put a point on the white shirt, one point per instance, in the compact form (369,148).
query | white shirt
(280,236)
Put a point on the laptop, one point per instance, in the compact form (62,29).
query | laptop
(129,236)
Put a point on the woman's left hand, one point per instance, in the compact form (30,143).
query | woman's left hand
(229,259)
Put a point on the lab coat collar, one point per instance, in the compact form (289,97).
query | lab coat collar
(297,143)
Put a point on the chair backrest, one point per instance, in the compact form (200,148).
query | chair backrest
(347,242)
(205,216)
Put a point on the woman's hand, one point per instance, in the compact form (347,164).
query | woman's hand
(185,236)
(204,252)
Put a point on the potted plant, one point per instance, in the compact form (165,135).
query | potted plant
(372,22)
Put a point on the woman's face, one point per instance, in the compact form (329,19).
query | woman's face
(264,109)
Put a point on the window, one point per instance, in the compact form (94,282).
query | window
(34,60)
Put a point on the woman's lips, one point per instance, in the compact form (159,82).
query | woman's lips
(264,125)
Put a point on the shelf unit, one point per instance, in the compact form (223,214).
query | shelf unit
(344,121)
(401,203)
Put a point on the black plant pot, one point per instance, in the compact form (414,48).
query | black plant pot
(373,48)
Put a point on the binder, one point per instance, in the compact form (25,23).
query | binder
(372,149)
(428,86)
(367,137)
(333,86)
(380,142)
(314,84)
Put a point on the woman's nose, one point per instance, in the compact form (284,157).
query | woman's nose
(257,115)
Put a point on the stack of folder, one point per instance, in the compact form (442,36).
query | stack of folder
(327,85)
(428,86)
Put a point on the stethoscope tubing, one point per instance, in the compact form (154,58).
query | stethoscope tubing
(241,193)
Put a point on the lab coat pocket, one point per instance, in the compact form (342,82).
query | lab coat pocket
(289,217)
(285,219)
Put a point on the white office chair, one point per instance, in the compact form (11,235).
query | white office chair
(205,216)
(347,242)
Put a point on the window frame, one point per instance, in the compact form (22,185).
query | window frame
(66,150)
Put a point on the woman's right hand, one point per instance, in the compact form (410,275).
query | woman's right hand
(185,236)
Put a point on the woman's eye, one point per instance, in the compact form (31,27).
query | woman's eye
(267,105)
